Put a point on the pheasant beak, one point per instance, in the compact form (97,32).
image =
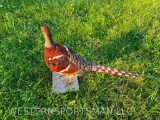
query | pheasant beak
(48,37)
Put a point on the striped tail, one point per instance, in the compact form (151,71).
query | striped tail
(113,71)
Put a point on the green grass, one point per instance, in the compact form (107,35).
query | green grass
(124,34)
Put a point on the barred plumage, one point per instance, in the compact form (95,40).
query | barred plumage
(79,62)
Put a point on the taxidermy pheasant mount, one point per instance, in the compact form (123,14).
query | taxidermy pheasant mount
(66,62)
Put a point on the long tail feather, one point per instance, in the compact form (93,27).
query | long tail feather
(114,71)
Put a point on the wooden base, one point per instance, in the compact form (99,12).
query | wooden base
(59,84)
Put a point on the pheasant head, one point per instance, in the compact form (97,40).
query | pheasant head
(48,37)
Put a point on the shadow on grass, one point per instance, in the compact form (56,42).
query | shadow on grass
(123,46)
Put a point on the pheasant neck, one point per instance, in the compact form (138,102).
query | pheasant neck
(49,42)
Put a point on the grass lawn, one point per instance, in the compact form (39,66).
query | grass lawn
(123,34)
